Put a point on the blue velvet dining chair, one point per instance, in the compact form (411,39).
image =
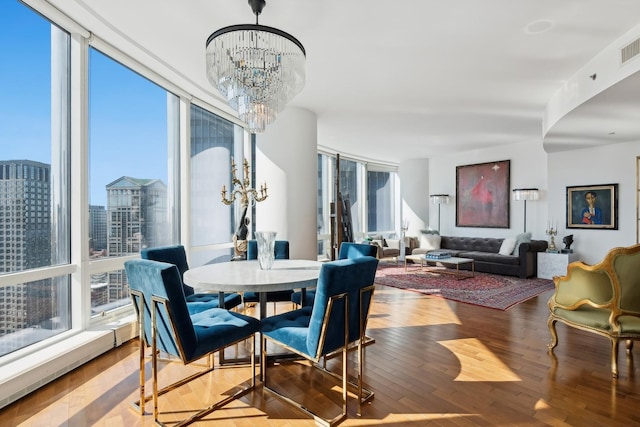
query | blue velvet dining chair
(196,302)
(348,250)
(336,321)
(167,326)
(281,250)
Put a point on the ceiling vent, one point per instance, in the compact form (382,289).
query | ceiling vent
(630,51)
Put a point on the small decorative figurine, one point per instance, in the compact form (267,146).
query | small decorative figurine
(568,241)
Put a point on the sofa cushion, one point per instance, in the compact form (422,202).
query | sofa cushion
(489,257)
(430,242)
(507,247)
(481,244)
(521,238)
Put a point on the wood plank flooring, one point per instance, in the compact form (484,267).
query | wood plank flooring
(435,362)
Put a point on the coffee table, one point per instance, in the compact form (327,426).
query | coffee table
(435,265)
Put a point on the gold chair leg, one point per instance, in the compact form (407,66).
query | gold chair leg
(211,408)
(551,323)
(614,357)
(142,401)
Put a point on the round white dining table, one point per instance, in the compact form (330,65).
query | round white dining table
(246,276)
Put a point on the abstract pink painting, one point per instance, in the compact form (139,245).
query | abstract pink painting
(482,195)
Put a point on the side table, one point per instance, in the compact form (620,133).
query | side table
(554,264)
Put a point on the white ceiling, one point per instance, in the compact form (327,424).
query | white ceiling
(392,80)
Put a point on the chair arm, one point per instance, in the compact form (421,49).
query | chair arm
(379,245)
(410,243)
(583,284)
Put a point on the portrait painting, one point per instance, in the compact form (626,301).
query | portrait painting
(593,206)
(482,195)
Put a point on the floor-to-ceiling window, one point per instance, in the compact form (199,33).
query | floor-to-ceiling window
(376,213)
(215,143)
(381,205)
(34,178)
(132,171)
(325,195)
(351,178)
(90,173)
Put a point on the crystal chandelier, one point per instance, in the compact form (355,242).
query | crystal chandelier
(258,69)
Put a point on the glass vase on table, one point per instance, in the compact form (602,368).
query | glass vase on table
(266,244)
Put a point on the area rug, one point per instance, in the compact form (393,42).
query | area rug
(486,290)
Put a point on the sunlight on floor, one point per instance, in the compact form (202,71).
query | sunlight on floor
(409,418)
(472,354)
(403,309)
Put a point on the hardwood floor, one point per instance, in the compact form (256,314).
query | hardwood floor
(434,362)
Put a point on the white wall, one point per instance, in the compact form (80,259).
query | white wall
(528,161)
(414,189)
(531,166)
(612,164)
(286,159)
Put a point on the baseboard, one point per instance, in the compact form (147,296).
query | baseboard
(26,374)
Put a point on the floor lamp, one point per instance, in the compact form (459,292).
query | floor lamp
(525,194)
(438,199)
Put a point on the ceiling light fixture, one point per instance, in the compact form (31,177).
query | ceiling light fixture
(258,69)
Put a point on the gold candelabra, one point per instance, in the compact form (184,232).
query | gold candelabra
(552,232)
(242,188)
(405,227)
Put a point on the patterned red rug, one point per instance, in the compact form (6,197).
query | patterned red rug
(486,290)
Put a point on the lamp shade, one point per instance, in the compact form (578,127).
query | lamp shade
(439,199)
(525,194)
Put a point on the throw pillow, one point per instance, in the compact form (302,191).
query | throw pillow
(507,247)
(521,238)
(430,241)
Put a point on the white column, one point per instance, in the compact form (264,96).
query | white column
(286,159)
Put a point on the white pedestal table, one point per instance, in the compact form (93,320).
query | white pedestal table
(246,276)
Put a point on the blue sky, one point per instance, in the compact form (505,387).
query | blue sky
(127,112)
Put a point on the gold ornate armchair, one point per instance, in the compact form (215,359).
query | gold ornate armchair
(603,298)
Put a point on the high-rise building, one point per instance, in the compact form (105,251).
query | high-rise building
(25,242)
(136,218)
(97,228)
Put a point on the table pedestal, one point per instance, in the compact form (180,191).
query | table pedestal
(554,264)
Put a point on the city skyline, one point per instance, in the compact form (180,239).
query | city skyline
(127,134)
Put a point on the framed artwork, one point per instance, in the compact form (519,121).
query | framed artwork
(482,195)
(593,206)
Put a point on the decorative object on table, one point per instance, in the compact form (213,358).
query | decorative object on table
(439,199)
(552,233)
(568,241)
(258,69)
(484,289)
(266,248)
(281,251)
(436,255)
(593,206)
(242,189)
(482,195)
(525,194)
